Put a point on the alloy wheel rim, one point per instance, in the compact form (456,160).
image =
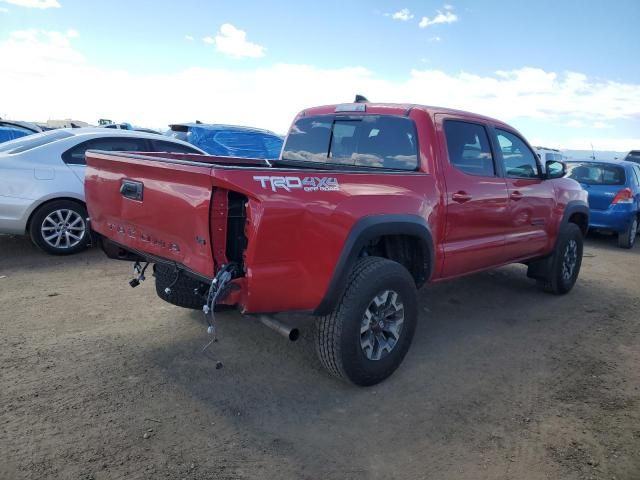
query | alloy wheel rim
(63,228)
(569,259)
(381,325)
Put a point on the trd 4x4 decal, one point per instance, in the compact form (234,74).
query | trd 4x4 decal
(308,184)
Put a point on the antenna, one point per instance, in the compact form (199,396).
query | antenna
(361,99)
(593,154)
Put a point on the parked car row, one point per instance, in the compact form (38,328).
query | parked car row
(42,175)
(42,181)
(42,191)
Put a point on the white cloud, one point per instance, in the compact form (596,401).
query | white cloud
(270,96)
(209,40)
(233,42)
(448,7)
(403,15)
(575,124)
(4,10)
(189,38)
(441,18)
(601,125)
(435,39)
(34,3)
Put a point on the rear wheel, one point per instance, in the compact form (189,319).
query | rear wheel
(627,238)
(565,262)
(60,227)
(366,337)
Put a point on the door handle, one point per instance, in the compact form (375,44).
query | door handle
(461,197)
(132,189)
(516,195)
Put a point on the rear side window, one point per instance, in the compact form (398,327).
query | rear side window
(379,141)
(468,148)
(592,173)
(179,134)
(519,161)
(636,170)
(75,155)
(164,146)
(33,141)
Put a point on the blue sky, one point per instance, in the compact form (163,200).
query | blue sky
(565,73)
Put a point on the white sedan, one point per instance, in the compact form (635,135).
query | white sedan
(42,181)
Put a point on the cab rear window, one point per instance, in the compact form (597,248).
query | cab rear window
(378,141)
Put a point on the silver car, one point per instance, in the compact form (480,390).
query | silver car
(42,181)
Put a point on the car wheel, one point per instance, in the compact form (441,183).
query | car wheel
(366,337)
(627,238)
(60,227)
(565,262)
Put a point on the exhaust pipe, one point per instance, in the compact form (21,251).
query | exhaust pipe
(291,333)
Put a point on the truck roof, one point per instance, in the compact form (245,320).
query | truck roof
(401,109)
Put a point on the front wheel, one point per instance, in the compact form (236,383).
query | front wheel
(565,262)
(366,337)
(60,227)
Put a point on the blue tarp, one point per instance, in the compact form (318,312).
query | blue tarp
(235,142)
(8,133)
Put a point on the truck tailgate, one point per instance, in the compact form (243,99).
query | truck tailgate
(152,207)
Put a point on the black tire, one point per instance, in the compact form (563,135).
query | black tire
(338,335)
(61,222)
(182,290)
(627,238)
(560,279)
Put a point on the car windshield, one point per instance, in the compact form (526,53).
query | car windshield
(591,173)
(33,141)
(381,141)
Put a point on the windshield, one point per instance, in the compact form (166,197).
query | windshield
(368,141)
(596,173)
(33,141)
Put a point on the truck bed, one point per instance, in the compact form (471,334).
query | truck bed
(285,227)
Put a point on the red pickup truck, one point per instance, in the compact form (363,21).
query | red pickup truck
(367,203)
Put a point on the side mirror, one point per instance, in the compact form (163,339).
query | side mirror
(555,169)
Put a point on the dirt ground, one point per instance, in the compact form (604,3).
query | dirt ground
(101,381)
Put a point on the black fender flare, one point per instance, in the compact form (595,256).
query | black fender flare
(539,269)
(362,232)
(573,207)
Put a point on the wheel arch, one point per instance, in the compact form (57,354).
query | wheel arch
(46,201)
(395,231)
(577,212)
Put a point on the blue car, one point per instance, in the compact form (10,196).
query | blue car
(229,140)
(614,196)
(10,133)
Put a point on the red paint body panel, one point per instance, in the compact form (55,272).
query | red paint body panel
(295,238)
